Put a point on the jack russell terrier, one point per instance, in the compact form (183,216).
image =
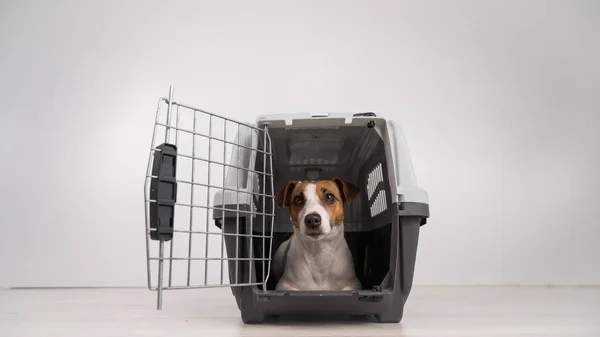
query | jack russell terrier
(317,256)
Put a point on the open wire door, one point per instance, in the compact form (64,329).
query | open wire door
(209,220)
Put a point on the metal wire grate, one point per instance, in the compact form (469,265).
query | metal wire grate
(236,194)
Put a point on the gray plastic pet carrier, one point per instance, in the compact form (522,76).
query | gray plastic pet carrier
(212,221)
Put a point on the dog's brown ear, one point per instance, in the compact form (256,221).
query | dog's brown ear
(284,196)
(349,192)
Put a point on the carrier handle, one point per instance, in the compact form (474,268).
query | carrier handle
(163,191)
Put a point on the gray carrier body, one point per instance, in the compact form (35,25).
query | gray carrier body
(254,162)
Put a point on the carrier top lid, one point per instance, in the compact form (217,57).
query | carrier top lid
(316,119)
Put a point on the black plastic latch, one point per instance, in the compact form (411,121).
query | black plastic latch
(163,191)
(377,289)
(219,223)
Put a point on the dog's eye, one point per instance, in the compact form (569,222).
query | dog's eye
(329,197)
(298,201)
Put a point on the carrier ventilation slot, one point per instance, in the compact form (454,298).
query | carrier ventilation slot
(379,205)
(375,177)
(375,184)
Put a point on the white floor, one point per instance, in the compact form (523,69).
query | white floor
(430,311)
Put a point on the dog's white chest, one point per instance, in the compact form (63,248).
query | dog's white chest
(318,267)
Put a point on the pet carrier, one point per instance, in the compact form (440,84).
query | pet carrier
(212,221)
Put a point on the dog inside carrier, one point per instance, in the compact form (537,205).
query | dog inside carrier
(212,219)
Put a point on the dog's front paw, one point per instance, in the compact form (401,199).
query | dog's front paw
(348,288)
(284,285)
(352,286)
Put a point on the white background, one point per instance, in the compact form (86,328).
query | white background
(499,101)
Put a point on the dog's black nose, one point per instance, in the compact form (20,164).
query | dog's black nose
(312,220)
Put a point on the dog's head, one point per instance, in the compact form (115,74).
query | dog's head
(317,208)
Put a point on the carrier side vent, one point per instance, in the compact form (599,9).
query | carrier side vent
(379,205)
(375,184)
(375,177)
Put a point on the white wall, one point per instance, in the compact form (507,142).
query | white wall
(499,101)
